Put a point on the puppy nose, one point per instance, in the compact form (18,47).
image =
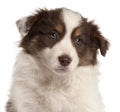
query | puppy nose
(64,60)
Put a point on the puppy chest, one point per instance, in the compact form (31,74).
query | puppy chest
(60,101)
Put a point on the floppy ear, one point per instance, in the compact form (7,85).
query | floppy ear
(97,39)
(24,25)
(103,44)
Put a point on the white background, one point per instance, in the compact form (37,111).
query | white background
(106,13)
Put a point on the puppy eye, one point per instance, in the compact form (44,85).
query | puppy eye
(53,34)
(78,40)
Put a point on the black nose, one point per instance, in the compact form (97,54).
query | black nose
(64,60)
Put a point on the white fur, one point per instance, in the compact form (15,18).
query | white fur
(72,19)
(37,87)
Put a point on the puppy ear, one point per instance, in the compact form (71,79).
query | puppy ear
(25,24)
(97,40)
(103,44)
(22,26)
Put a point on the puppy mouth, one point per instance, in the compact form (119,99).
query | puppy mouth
(61,69)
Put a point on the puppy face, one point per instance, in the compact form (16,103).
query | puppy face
(62,39)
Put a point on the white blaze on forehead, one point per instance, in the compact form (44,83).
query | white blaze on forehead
(71,19)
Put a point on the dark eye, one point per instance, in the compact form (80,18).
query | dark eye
(78,40)
(53,34)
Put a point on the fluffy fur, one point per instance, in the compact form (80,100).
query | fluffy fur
(56,71)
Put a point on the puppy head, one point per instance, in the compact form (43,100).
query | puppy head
(62,39)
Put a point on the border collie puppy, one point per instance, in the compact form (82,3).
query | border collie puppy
(56,70)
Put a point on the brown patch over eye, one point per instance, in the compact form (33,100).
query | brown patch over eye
(82,43)
(46,29)
(87,39)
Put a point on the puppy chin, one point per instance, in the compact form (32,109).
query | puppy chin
(61,71)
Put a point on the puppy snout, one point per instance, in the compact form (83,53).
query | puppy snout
(64,60)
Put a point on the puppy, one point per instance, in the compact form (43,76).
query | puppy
(56,70)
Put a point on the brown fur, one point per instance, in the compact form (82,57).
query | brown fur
(10,107)
(41,25)
(44,22)
(91,40)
